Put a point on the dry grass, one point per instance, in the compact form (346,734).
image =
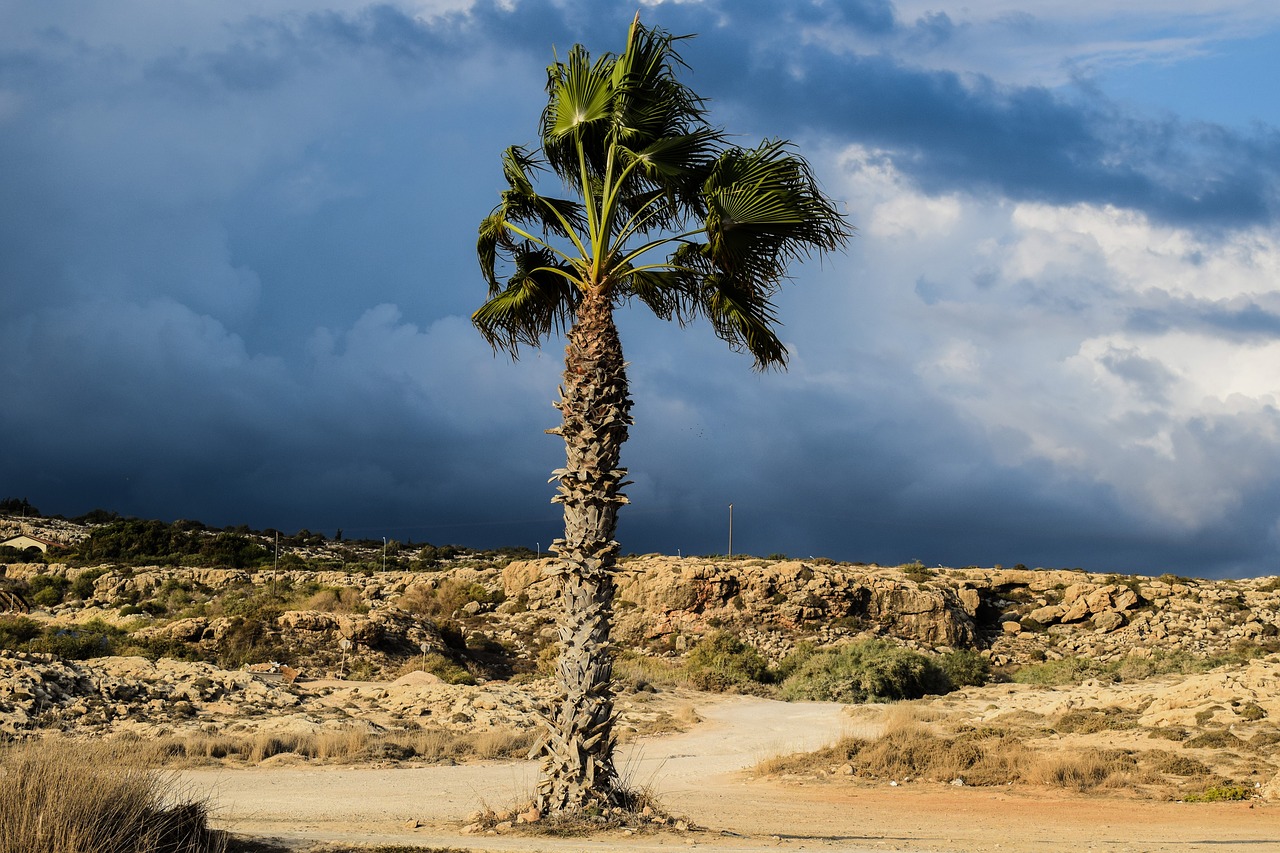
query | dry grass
(347,746)
(910,750)
(634,671)
(336,600)
(64,797)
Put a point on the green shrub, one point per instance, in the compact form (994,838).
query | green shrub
(1217,739)
(247,640)
(91,639)
(17,631)
(46,590)
(1221,793)
(916,571)
(1251,712)
(866,670)
(444,599)
(441,667)
(720,661)
(793,661)
(1066,671)
(83,586)
(965,668)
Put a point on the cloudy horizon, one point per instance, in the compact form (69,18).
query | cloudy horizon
(237,248)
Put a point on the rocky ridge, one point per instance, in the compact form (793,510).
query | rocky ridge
(663,606)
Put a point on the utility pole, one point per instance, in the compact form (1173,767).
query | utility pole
(384,553)
(730,530)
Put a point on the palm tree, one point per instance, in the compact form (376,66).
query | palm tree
(665,211)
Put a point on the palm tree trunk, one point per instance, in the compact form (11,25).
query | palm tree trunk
(578,769)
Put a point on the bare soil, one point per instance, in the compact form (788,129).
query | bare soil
(701,774)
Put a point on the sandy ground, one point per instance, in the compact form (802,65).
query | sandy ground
(699,774)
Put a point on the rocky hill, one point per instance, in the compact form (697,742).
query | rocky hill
(665,603)
(184,633)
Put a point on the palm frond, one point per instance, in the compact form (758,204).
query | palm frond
(539,298)
(771,194)
(745,319)
(671,294)
(522,203)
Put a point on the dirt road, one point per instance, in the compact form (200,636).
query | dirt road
(697,774)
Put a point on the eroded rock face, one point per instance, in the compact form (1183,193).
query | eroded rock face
(667,603)
(666,597)
(380,637)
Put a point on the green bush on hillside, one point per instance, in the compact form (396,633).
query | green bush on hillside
(965,668)
(46,590)
(720,661)
(866,671)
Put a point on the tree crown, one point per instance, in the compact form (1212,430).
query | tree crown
(661,208)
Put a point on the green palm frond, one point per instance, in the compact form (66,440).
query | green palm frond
(522,203)
(540,298)
(745,319)
(521,206)
(671,294)
(770,193)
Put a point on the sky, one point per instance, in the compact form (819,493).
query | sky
(237,266)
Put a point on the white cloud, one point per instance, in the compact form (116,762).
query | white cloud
(1020,317)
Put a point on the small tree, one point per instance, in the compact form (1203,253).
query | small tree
(665,211)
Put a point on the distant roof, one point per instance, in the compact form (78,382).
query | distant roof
(26,540)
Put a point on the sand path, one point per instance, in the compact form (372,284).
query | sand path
(697,774)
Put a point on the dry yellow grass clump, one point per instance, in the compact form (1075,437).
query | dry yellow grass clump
(61,796)
(910,749)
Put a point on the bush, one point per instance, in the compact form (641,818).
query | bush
(965,668)
(92,639)
(17,631)
(721,661)
(60,797)
(46,590)
(444,599)
(1055,673)
(336,600)
(866,670)
(248,641)
(1221,793)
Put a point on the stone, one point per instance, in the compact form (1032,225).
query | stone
(1078,611)
(1108,621)
(1047,615)
(1125,599)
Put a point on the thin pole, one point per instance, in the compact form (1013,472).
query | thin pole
(730,530)
(384,553)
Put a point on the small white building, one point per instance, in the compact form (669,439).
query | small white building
(22,542)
